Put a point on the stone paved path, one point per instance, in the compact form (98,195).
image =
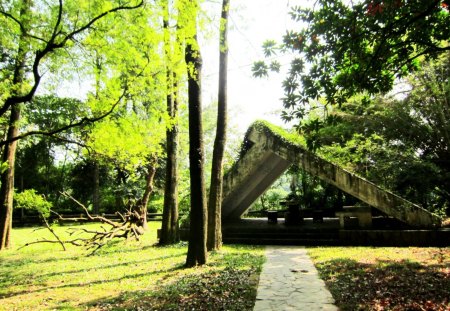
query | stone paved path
(289,281)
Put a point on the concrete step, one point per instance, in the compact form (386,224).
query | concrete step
(282,235)
(280,241)
(289,237)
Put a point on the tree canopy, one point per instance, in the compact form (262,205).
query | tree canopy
(399,143)
(342,48)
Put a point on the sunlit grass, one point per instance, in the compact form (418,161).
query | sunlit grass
(43,276)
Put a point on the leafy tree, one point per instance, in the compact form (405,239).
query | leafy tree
(37,155)
(31,200)
(401,144)
(346,47)
(33,39)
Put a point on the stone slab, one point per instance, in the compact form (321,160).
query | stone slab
(289,281)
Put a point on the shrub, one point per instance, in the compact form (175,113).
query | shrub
(29,199)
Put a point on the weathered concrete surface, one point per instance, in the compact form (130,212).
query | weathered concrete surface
(270,155)
(251,180)
(289,281)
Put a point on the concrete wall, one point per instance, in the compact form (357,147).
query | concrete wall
(269,156)
(250,178)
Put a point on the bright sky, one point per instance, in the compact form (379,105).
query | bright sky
(251,23)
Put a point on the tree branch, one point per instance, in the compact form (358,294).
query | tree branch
(22,28)
(88,215)
(83,121)
(52,45)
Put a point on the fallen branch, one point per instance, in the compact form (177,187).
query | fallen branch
(128,227)
(58,240)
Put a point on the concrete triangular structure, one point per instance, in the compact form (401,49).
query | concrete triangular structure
(268,153)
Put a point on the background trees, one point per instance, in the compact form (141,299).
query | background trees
(347,57)
(400,143)
(27,50)
(105,148)
(343,48)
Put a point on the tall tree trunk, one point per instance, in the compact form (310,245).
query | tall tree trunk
(215,191)
(197,253)
(9,151)
(7,180)
(169,227)
(96,191)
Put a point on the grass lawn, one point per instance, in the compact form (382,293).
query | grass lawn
(142,276)
(386,278)
(124,276)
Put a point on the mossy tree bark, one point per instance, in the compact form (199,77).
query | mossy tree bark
(9,151)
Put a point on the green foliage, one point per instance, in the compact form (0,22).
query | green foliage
(352,47)
(260,69)
(3,167)
(49,112)
(270,200)
(30,200)
(398,143)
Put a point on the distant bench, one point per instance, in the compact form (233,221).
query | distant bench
(363,213)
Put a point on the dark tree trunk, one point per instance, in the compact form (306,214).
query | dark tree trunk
(9,151)
(198,214)
(96,190)
(215,191)
(169,227)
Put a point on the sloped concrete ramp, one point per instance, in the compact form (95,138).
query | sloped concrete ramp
(269,153)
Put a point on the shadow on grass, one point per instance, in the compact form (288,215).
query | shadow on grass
(113,247)
(226,288)
(387,285)
(97,268)
(89,283)
(228,282)
(14,276)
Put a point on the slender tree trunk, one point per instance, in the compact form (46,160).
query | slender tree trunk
(215,191)
(96,190)
(9,151)
(169,227)
(197,253)
(121,179)
(7,180)
(143,204)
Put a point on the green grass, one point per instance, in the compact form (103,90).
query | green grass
(386,278)
(142,276)
(124,275)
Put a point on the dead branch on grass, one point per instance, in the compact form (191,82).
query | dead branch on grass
(129,227)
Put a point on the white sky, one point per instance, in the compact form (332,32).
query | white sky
(251,23)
